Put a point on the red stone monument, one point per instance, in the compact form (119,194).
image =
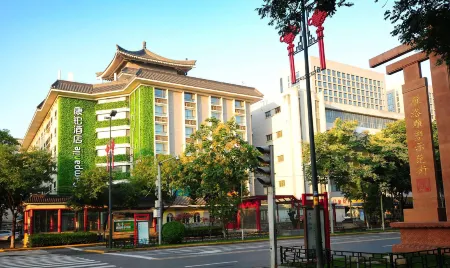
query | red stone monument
(425,226)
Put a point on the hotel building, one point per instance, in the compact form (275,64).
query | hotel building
(158,107)
(283,121)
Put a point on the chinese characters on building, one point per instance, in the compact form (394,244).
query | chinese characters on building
(423,184)
(77,140)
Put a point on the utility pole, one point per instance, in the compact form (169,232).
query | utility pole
(312,146)
(382,211)
(110,156)
(160,206)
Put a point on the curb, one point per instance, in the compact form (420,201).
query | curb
(50,247)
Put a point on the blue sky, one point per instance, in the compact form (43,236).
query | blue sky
(227,38)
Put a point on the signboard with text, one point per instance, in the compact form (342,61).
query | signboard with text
(124,226)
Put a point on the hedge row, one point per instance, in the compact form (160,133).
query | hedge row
(117,158)
(117,140)
(111,105)
(203,231)
(114,123)
(43,240)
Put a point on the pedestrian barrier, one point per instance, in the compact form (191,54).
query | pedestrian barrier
(302,257)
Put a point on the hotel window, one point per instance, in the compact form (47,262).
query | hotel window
(160,93)
(240,120)
(348,76)
(326,98)
(376,107)
(334,86)
(350,102)
(357,78)
(366,86)
(160,148)
(340,100)
(335,100)
(329,78)
(334,79)
(365,80)
(345,95)
(216,115)
(239,104)
(340,94)
(345,101)
(353,84)
(357,85)
(159,111)
(325,91)
(269,137)
(215,101)
(339,81)
(277,110)
(354,97)
(318,77)
(353,77)
(280,158)
(370,82)
(282,183)
(348,82)
(189,114)
(328,71)
(363,99)
(335,93)
(345,89)
(338,74)
(319,83)
(188,97)
(188,131)
(362,92)
(359,104)
(339,87)
(354,91)
(160,129)
(334,73)
(378,83)
(268,114)
(279,134)
(359,98)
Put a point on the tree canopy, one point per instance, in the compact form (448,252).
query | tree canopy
(215,166)
(423,24)
(22,174)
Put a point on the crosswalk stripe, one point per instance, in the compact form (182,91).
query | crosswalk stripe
(51,261)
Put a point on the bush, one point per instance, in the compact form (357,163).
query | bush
(173,232)
(43,240)
(203,231)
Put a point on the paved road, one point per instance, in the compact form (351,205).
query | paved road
(235,255)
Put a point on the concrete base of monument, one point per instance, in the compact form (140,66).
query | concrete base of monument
(417,236)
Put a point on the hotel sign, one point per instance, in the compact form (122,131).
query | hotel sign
(77,140)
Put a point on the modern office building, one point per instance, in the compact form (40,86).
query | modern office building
(283,121)
(394,99)
(344,84)
(158,106)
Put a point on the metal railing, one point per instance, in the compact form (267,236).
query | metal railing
(302,257)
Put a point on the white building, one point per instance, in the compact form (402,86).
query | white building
(395,103)
(283,122)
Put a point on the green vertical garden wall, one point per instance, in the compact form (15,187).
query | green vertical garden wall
(142,121)
(66,146)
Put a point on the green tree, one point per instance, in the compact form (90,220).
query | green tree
(214,165)
(22,174)
(416,22)
(92,189)
(7,139)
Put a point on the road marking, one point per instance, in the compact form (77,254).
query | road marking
(76,249)
(367,240)
(197,255)
(51,261)
(209,264)
(131,256)
(208,252)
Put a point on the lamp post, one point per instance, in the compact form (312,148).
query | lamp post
(160,201)
(111,115)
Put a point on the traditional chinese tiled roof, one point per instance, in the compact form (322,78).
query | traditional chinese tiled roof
(72,86)
(143,57)
(46,199)
(40,105)
(197,82)
(187,201)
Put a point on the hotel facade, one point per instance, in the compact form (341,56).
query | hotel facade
(283,121)
(158,107)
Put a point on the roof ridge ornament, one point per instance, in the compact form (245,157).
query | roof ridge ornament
(144,45)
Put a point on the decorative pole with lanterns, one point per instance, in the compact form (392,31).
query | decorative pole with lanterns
(307,40)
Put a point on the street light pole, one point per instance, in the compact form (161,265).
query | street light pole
(312,147)
(111,223)
(160,200)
